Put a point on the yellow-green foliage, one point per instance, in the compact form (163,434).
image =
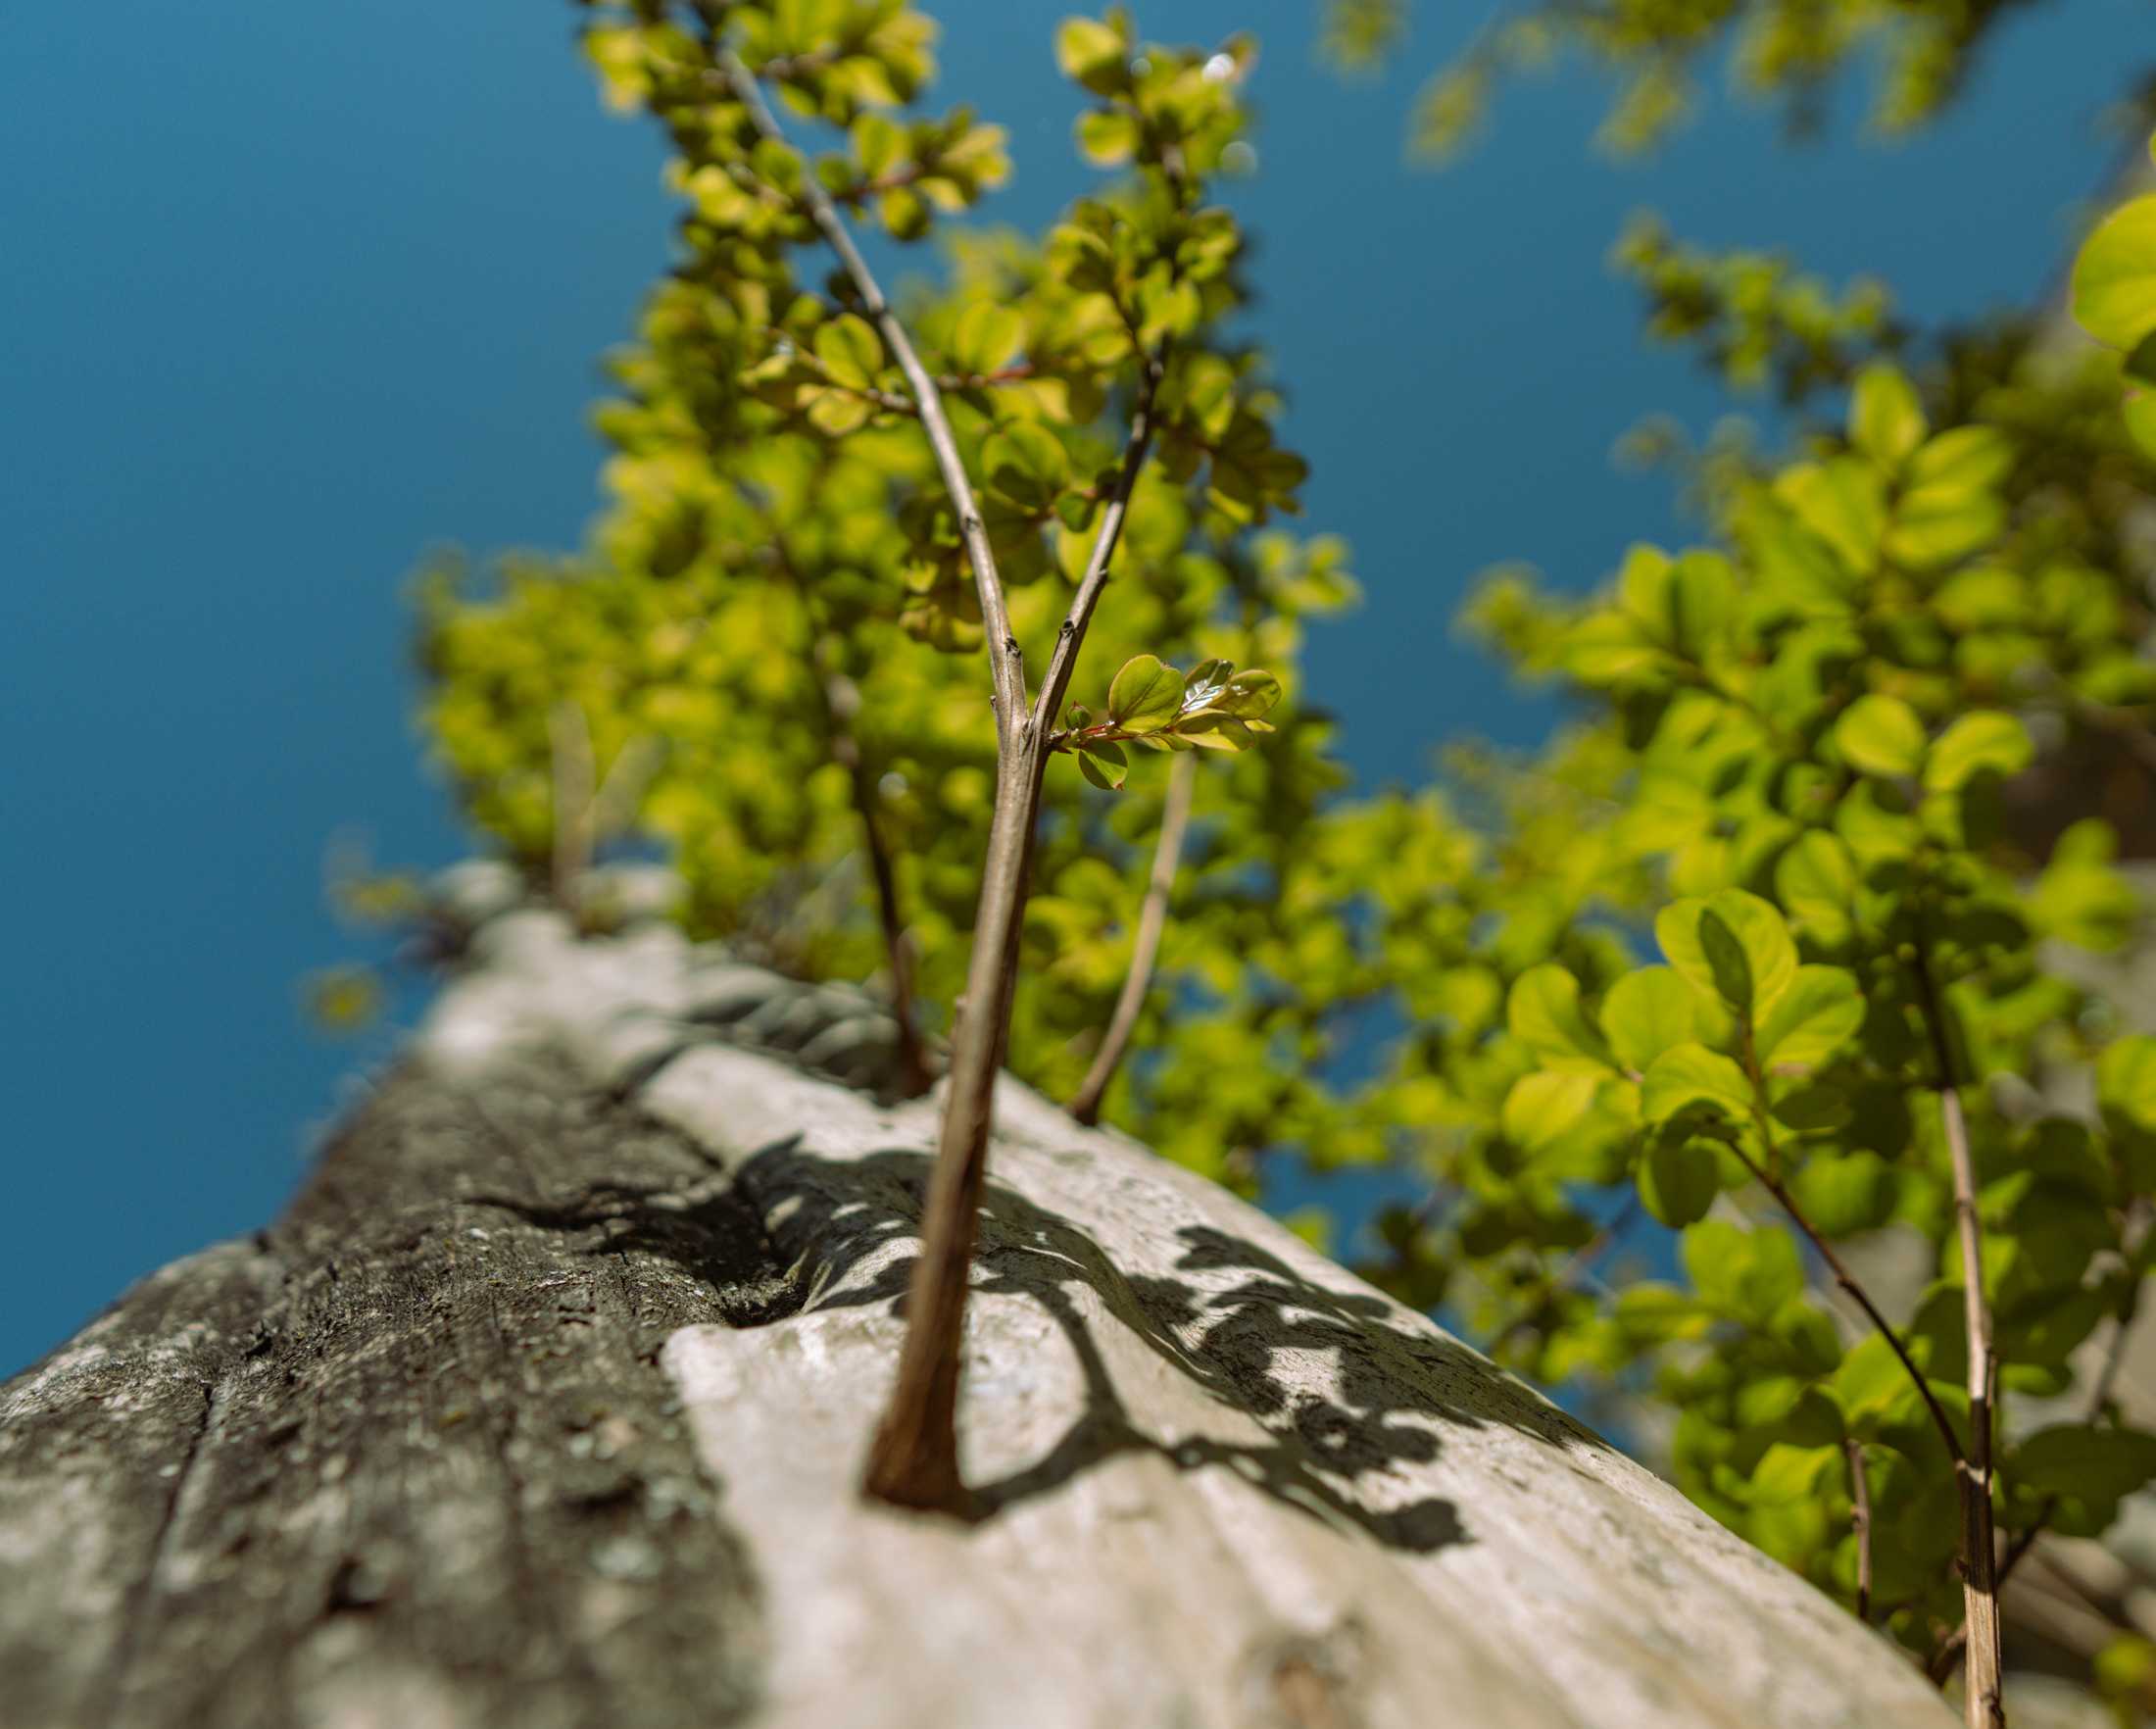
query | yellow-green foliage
(1833,767)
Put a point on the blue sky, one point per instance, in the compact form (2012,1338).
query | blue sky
(293,295)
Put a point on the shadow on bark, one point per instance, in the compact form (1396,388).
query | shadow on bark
(1395,1387)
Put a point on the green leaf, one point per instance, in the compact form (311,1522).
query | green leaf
(1647,1012)
(1986,741)
(1963,459)
(1733,944)
(1092,54)
(1247,695)
(1845,1192)
(1881,735)
(835,413)
(1108,136)
(1885,421)
(1679,1180)
(1690,1075)
(2095,1467)
(2115,277)
(1544,1013)
(1543,1106)
(1817,881)
(1147,694)
(1026,463)
(851,352)
(986,338)
(1744,1274)
(1786,1473)
(1817,1015)
(1103,763)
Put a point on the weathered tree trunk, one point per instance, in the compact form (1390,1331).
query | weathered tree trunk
(544,1404)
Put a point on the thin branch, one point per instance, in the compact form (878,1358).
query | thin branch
(841,702)
(1948,1653)
(1152,918)
(1064,660)
(1857,1294)
(1984,1706)
(1860,1524)
(1005,669)
(568,736)
(914,1458)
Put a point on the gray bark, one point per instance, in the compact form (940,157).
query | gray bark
(545,1402)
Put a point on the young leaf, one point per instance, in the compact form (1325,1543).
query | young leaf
(852,353)
(1985,741)
(1543,1106)
(1817,1015)
(986,338)
(1103,763)
(1734,945)
(1544,1013)
(1884,422)
(1646,1012)
(1691,1075)
(1817,881)
(2115,277)
(1679,1180)
(1881,735)
(1147,694)
(1092,54)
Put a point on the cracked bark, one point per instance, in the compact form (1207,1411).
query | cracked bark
(410,1449)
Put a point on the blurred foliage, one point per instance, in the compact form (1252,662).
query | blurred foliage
(1860,767)
(1920,55)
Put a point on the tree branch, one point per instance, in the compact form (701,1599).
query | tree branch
(1948,1653)
(1005,669)
(913,1460)
(1152,918)
(840,702)
(1858,1295)
(569,737)
(1982,1689)
(1860,1524)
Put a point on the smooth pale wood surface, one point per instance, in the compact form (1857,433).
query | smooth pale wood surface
(545,1402)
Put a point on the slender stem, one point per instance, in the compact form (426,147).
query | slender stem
(1152,918)
(1860,1524)
(573,841)
(1982,1688)
(1005,669)
(1859,1296)
(1063,661)
(1949,1650)
(913,1460)
(841,702)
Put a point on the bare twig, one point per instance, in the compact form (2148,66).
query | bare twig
(568,736)
(1152,918)
(1860,1524)
(1005,669)
(841,702)
(1983,1697)
(914,1458)
(1948,1653)
(1859,1296)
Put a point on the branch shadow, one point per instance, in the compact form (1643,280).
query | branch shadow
(1325,1457)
